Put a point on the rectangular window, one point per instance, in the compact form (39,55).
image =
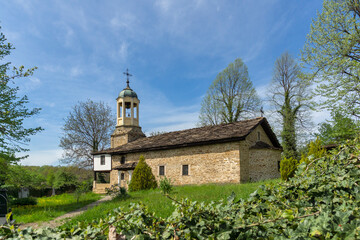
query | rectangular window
(102,160)
(122,176)
(258,136)
(185,170)
(161,170)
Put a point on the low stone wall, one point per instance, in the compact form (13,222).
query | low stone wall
(100,187)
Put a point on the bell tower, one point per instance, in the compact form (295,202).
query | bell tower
(127,116)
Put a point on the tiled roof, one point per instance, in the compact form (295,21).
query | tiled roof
(263,145)
(230,132)
(126,166)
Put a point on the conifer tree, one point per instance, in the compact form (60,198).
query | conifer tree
(142,178)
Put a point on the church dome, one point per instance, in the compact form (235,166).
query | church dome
(128,92)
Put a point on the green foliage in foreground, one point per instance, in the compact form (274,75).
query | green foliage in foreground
(143,178)
(321,202)
(163,207)
(48,208)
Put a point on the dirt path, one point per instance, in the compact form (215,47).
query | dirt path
(62,219)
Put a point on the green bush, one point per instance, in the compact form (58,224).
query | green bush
(143,178)
(288,167)
(166,185)
(315,151)
(23,201)
(117,192)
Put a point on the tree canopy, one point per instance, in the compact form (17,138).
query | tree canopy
(289,95)
(13,109)
(332,52)
(231,97)
(87,129)
(339,129)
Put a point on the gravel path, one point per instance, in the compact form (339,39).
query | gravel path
(62,219)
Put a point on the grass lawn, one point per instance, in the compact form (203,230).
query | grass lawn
(49,208)
(163,207)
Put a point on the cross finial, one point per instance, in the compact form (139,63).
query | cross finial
(127,77)
(262,111)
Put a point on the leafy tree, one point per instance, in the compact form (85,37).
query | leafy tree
(87,129)
(339,129)
(3,171)
(18,176)
(156,133)
(13,110)
(290,98)
(65,180)
(50,180)
(332,52)
(142,178)
(315,151)
(231,96)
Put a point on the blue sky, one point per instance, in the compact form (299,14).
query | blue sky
(174,49)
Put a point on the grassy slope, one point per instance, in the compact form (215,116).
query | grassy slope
(51,207)
(163,207)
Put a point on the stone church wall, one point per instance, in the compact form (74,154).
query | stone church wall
(215,163)
(263,164)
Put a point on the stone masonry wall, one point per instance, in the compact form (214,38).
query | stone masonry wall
(215,163)
(263,164)
(252,138)
(100,187)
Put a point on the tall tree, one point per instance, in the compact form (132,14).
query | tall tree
(290,98)
(339,129)
(231,96)
(87,129)
(332,53)
(13,110)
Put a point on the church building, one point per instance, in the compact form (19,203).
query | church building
(228,153)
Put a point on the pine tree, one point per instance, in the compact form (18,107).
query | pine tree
(142,178)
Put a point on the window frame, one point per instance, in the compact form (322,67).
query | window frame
(187,170)
(102,160)
(122,160)
(163,172)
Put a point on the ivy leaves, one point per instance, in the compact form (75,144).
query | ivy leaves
(322,201)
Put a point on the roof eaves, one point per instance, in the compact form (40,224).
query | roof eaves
(225,140)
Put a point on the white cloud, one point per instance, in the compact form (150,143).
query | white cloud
(30,85)
(123,21)
(164,5)
(76,71)
(43,157)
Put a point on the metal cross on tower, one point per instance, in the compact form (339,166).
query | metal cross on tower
(127,77)
(262,111)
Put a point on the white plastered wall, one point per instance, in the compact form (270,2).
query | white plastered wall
(97,163)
